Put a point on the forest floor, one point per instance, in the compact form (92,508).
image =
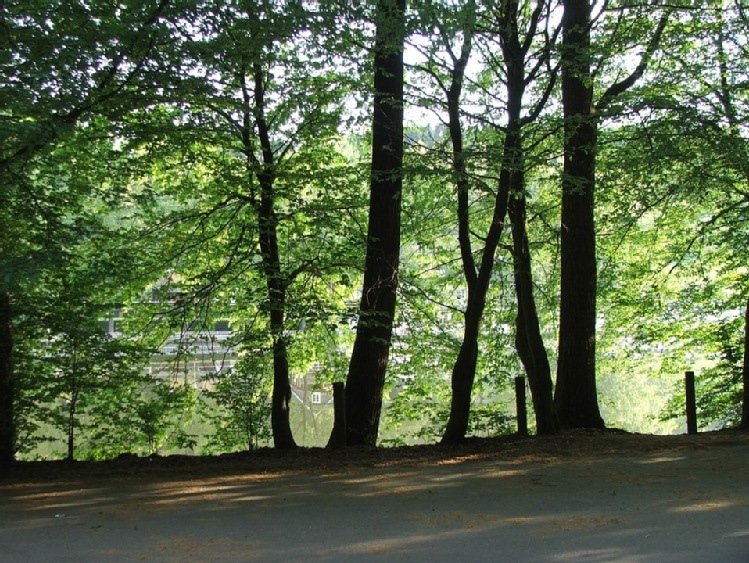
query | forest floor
(571,445)
(579,496)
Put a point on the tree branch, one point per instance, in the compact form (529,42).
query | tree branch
(619,87)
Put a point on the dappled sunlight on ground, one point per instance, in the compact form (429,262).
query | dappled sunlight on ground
(705,506)
(609,506)
(660,459)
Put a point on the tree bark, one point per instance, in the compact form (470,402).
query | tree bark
(464,369)
(366,375)
(510,193)
(745,373)
(576,395)
(528,339)
(477,281)
(7,382)
(71,429)
(275,281)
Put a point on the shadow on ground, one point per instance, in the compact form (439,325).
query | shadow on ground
(685,501)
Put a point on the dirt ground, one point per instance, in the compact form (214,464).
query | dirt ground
(581,496)
(579,444)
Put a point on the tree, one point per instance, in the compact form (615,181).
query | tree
(267,117)
(216,135)
(692,130)
(477,279)
(576,395)
(68,362)
(48,87)
(516,35)
(366,373)
(528,340)
(243,402)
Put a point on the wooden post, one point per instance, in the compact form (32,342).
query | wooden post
(339,413)
(691,403)
(522,413)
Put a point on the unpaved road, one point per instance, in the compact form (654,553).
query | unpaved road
(660,505)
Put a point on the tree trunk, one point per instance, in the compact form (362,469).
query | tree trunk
(7,382)
(745,373)
(576,396)
(464,370)
(528,339)
(281,395)
(366,375)
(268,239)
(477,282)
(71,430)
(464,374)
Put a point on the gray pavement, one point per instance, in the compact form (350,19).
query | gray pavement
(682,506)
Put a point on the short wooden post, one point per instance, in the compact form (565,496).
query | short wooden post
(520,407)
(339,414)
(691,403)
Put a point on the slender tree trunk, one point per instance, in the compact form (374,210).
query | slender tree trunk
(366,375)
(464,374)
(745,373)
(281,394)
(576,396)
(275,281)
(528,339)
(7,382)
(464,369)
(71,430)
(75,386)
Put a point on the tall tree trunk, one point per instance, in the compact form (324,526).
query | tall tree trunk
(464,369)
(281,394)
(726,96)
(745,373)
(275,281)
(576,396)
(7,382)
(511,187)
(71,430)
(366,375)
(528,339)
(477,282)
